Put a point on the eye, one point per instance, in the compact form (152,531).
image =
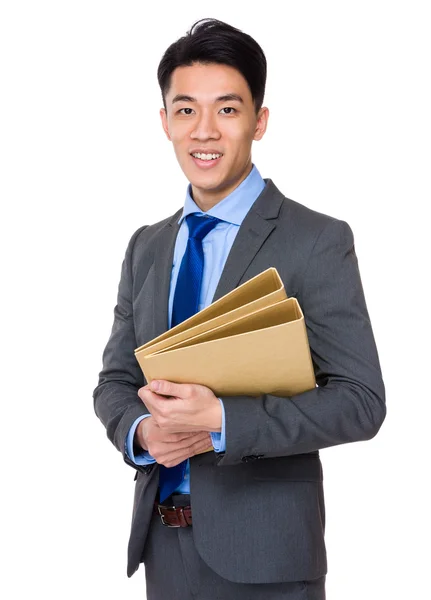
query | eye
(186,111)
(229,110)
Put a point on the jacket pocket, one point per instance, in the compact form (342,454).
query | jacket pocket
(299,467)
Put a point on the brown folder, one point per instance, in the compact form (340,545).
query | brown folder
(251,341)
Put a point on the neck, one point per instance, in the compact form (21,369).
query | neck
(206,199)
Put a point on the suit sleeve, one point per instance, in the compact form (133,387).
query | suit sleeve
(349,403)
(116,400)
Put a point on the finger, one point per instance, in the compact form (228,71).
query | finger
(186,441)
(177,438)
(168,388)
(143,392)
(205,439)
(197,440)
(171,459)
(199,447)
(173,428)
(165,452)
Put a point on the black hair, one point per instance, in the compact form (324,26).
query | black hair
(211,41)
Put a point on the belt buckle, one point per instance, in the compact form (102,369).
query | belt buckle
(162,516)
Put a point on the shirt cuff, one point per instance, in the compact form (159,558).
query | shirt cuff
(144,457)
(219,439)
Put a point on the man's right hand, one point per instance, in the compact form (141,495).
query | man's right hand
(169,449)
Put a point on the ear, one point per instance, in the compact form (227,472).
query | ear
(262,123)
(164,118)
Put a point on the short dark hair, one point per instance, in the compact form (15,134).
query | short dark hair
(211,41)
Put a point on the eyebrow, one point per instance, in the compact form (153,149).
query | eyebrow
(224,98)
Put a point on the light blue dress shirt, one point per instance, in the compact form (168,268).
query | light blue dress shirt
(216,247)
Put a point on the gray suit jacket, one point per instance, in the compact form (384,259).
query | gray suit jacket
(258,509)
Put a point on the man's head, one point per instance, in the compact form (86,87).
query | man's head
(213,84)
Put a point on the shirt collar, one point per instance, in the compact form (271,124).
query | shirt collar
(235,206)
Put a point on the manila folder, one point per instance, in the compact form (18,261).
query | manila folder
(251,341)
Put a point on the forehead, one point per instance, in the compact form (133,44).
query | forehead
(206,82)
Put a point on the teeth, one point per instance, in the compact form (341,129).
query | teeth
(205,156)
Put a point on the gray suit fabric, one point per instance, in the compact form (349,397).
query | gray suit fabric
(258,508)
(174,569)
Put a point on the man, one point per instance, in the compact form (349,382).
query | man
(249,516)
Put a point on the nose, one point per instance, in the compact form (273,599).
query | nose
(205,127)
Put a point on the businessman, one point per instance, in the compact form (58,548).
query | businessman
(245,520)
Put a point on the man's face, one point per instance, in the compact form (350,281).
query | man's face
(210,111)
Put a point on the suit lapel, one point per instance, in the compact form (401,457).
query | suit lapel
(254,230)
(164,254)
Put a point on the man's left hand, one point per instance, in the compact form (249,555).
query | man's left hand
(180,407)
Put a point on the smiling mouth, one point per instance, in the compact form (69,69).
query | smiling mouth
(206,157)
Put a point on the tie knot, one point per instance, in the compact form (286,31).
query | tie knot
(200,226)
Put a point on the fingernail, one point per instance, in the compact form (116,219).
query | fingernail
(155,385)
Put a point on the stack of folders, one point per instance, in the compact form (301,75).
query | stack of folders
(252,341)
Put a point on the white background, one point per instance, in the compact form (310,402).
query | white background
(84,163)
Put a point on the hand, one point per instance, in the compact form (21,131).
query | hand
(182,407)
(169,449)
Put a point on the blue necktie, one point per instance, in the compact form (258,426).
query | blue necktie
(186,303)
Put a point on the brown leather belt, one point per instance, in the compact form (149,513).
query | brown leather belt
(174,516)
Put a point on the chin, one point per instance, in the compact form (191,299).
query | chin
(206,183)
